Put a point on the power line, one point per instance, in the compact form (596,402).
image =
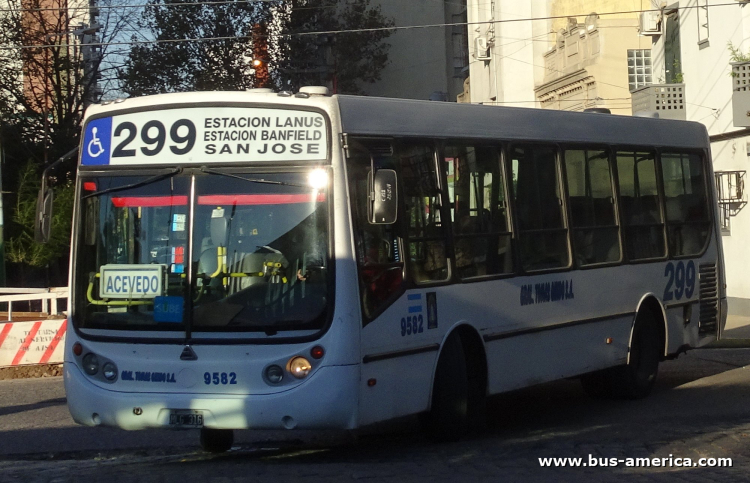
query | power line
(346,31)
(185,4)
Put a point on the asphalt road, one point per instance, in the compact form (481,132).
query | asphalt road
(699,408)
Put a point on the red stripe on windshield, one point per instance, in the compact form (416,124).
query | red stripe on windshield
(147,201)
(275,199)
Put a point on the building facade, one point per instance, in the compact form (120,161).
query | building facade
(693,45)
(424,62)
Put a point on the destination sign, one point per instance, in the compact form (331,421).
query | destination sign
(131,281)
(205,135)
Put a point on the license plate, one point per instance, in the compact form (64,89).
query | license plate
(186,418)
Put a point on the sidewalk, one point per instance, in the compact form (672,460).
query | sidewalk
(736,333)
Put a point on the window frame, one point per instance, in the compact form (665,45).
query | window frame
(446,227)
(499,148)
(660,196)
(557,147)
(709,200)
(614,184)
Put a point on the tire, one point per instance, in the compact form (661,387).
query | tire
(216,440)
(448,416)
(635,379)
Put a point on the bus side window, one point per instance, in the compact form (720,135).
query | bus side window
(543,237)
(639,204)
(378,252)
(595,234)
(478,211)
(426,232)
(686,203)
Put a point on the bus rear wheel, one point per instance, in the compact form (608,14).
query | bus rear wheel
(635,379)
(448,416)
(216,440)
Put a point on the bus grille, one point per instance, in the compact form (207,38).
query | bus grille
(709,299)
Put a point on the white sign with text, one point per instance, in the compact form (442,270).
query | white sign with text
(205,135)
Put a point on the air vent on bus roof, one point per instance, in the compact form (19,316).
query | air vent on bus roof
(600,110)
(315,90)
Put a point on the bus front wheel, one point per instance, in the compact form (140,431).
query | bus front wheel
(216,440)
(448,418)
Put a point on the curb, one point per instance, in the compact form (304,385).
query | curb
(728,344)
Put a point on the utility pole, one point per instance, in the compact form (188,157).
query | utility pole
(2,219)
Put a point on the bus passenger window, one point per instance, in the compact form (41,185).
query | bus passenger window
(639,205)
(596,236)
(428,259)
(478,211)
(686,203)
(378,248)
(543,237)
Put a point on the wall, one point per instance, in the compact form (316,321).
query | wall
(418,60)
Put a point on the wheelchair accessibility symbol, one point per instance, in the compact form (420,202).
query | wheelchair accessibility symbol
(95,147)
(96,142)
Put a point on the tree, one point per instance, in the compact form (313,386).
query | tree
(21,247)
(49,72)
(167,66)
(280,35)
(340,60)
(54,61)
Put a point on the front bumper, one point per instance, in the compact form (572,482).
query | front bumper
(328,400)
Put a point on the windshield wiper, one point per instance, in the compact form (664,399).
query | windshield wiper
(138,184)
(208,170)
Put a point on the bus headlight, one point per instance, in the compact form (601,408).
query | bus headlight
(90,364)
(299,367)
(274,374)
(109,370)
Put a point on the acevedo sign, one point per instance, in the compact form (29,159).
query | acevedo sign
(205,135)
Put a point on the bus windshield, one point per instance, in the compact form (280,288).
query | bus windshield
(259,246)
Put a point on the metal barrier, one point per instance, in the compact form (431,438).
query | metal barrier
(47,296)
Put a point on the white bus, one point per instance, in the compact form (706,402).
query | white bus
(268,260)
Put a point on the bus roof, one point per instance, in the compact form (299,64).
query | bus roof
(385,117)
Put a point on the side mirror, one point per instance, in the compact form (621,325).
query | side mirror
(43,221)
(382,208)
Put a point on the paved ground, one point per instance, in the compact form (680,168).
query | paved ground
(699,408)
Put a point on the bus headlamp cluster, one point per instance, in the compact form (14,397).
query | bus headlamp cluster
(92,366)
(299,367)
(109,371)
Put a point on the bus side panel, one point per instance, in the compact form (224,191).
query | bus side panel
(402,387)
(549,355)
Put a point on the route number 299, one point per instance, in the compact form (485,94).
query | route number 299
(680,280)
(154,136)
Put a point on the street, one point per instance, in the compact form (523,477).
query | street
(698,409)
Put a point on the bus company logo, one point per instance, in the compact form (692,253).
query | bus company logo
(544,292)
(147,376)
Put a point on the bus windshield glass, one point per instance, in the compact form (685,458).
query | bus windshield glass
(259,246)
